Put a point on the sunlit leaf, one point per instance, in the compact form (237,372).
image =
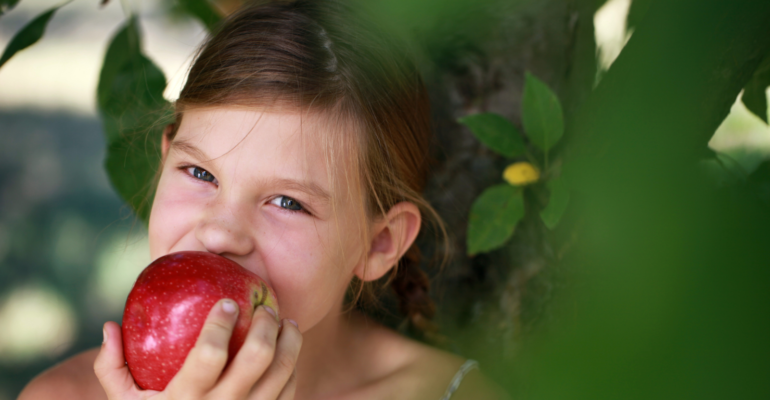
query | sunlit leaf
(493,218)
(203,11)
(7,5)
(557,202)
(134,113)
(754,94)
(496,132)
(541,114)
(28,35)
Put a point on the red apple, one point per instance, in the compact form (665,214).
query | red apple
(169,303)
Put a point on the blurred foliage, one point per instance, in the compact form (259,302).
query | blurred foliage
(7,5)
(58,214)
(28,35)
(671,294)
(754,94)
(636,13)
(130,101)
(203,11)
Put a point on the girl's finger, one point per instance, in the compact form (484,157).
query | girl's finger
(204,363)
(110,366)
(254,357)
(281,370)
(291,386)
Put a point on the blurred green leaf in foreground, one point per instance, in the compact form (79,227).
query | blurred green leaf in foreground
(671,295)
(28,35)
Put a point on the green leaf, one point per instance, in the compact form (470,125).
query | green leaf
(7,5)
(541,114)
(557,203)
(754,93)
(134,114)
(726,170)
(497,133)
(136,97)
(28,35)
(202,10)
(125,46)
(131,164)
(493,218)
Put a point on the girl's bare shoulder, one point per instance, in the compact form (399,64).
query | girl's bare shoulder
(425,372)
(73,378)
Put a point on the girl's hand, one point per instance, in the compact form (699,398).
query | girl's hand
(262,369)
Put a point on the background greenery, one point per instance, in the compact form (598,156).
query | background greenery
(654,283)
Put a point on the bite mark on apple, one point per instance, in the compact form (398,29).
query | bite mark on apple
(260,299)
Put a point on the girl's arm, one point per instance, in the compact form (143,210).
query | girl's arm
(72,379)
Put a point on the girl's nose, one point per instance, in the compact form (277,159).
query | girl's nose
(222,231)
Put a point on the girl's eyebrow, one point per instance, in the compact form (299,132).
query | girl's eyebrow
(189,149)
(308,187)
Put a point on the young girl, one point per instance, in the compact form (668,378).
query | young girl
(299,151)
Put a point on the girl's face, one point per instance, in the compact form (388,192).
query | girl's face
(253,186)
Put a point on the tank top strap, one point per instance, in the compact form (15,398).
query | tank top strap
(468,366)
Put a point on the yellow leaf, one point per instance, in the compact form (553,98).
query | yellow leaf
(521,173)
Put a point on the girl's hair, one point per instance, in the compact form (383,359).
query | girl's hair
(323,57)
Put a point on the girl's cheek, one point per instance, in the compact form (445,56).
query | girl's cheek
(306,279)
(173,216)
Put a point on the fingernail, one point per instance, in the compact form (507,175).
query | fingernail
(104,335)
(229,306)
(270,310)
(293,322)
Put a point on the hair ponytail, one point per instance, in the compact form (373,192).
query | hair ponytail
(412,287)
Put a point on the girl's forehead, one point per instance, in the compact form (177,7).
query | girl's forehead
(283,143)
(220,131)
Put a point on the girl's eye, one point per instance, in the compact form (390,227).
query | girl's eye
(287,203)
(202,174)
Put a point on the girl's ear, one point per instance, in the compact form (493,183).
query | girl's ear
(392,235)
(165,142)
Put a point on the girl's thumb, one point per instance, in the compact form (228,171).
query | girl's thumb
(110,365)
